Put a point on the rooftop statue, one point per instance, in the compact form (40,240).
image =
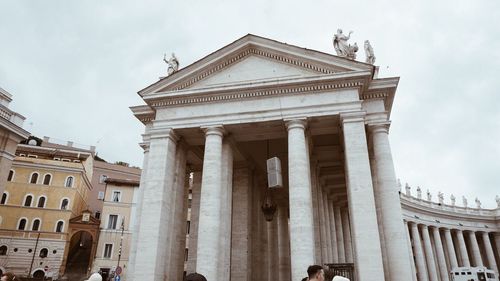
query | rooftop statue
(419,192)
(497,198)
(408,189)
(370,56)
(173,63)
(478,203)
(429,195)
(341,46)
(464,201)
(453,200)
(441,197)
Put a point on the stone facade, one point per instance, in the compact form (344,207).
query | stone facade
(327,118)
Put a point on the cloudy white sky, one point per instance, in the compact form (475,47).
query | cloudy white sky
(74,67)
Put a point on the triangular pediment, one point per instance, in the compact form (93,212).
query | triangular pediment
(253,59)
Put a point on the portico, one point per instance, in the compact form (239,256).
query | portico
(220,118)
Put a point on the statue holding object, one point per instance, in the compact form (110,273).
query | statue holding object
(343,48)
(173,63)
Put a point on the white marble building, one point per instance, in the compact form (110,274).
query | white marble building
(326,117)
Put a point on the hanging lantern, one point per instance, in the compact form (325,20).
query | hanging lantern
(268,208)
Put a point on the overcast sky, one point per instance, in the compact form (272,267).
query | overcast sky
(74,68)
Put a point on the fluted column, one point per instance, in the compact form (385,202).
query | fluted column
(361,201)
(329,244)
(340,234)
(410,250)
(451,249)
(489,253)
(429,255)
(390,206)
(300,196)
(476,254)
(463,249)
(441,260)
(419,254)
(153,251)
(347,235)
(195,215)
(209,225)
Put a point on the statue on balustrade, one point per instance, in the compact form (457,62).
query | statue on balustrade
(419,193)
(453,200)
(464,201)
(497,198)
(478,203)
(370,55)
(441,197)
(408,189)
(429,195)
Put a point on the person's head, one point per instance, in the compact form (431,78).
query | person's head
(316,272)
(8,277)
(195,277)
(305,279)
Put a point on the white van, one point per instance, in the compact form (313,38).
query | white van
(480,273)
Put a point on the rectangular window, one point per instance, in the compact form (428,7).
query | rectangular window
(98,215)
(100,195)
(188,227)
(116,196)
(112,221)
(107,250)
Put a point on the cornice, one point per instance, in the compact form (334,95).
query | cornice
(317,84)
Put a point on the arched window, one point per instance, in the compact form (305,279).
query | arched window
(64,204)
(46,179)
(22,224)
(44,252)
(27,201)
(5,195)
(3,250)
(59,226)
(41,202)
(69,181)
(34,178)
(36,225)
(11,175)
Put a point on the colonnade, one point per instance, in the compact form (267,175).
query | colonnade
(437,250)
(233,243)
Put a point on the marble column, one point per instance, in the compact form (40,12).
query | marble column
(451,249)
(333,232)
(361,201)
(137,219)
(178,216)
(226,211)
(152,255)
(441,259)
(390,205)
(463,249)
(329,234)
(490,255)
(429,255)
(323,225)
(273,250)
(209,225)
(410,250)
(195,212)
(241,229)
(300,196)
(344,213)
(283,243)
(340,234)
(419,254)
(476,254)
(318,219)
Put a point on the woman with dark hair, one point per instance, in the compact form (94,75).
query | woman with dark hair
(8,276)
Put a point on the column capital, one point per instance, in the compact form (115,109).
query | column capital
(161,133)
(214,130)
(379,127)
(351,117)
(296,123)
(145,146)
